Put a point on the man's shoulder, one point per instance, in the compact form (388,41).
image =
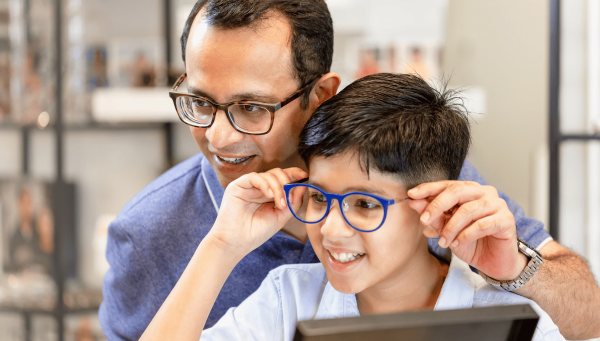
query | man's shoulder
(177,204)
(171,183)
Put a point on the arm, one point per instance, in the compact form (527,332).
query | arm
(565,288)
(479,228)
(247,218)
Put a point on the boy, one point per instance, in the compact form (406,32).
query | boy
(365,148)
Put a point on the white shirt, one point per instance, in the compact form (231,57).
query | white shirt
(299,292)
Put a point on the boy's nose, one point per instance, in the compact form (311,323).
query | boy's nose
(221,133)
(335,226)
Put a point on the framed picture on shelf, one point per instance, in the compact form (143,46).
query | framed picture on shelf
(27,227)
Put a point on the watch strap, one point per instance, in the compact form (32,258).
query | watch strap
(535,260)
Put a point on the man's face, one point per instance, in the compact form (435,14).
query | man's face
(386,255)
(245,64)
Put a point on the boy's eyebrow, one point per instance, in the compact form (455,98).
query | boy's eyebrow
(248,96)
(353,189)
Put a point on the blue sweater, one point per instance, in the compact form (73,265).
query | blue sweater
(157,232)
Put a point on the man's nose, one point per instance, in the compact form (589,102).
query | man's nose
(335,226)
(221,133)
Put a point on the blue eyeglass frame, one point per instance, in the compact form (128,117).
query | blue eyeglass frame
(339,198)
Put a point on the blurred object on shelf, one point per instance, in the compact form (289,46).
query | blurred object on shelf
(28,291)
(114,105)
(417,63)
(96,67)
(101,265)
(31,72)
(36,292)
(369,63)
(135,63)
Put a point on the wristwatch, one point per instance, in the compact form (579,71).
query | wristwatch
(535,260)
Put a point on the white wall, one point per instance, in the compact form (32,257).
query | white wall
(502,46)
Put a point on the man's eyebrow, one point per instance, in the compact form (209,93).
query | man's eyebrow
(247,96)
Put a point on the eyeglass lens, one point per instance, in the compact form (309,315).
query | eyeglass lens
(250,118)
(361,211)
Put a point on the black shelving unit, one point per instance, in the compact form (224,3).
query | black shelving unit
(63,194)
(556,137)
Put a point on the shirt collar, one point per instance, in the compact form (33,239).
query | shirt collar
(457,292)
(335,304)
(213,186)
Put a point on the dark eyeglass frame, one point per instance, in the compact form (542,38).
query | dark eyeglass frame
(270,107)
(385,203)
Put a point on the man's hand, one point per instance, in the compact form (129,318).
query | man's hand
(254,209)
(474,222)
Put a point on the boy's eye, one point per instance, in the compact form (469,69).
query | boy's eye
(318,198)
(368,204)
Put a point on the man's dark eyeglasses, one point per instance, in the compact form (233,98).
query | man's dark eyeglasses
(248,117)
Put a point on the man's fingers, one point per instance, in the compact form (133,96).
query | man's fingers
(457,193)
(295,173)
(418,205)
(465,215)
(428,189)
(484,227)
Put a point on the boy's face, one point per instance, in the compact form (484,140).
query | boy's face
(388,253)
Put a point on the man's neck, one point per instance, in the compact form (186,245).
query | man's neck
(416,288)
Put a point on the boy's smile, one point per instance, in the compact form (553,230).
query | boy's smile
(360,262)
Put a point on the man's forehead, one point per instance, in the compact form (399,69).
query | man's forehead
(243,60)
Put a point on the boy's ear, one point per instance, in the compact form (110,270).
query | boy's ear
(325,88)
(430,232)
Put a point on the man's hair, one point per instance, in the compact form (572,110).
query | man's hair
(396,123)
(311,27)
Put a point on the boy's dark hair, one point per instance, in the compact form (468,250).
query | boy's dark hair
(311,26)
(396,123)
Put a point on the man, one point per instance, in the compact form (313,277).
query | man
(270,52)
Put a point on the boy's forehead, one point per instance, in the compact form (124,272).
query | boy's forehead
(344,173)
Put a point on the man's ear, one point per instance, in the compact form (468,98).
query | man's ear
(430,232)
(325,88)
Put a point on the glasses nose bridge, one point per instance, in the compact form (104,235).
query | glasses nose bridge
(336,227)
(224,107)
(339,199)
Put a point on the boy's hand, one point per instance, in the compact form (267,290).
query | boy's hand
(253,209)
(474,222)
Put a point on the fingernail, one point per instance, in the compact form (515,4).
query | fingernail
(425,217)
(413,191)
(455,243)
(271,192)
(282,202)
(442,242)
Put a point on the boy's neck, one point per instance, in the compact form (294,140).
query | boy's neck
(418,288)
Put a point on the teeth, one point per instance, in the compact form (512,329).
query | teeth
(346,257)
(233,159)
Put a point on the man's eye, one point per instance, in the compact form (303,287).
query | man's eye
(200,103)
(250,108)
